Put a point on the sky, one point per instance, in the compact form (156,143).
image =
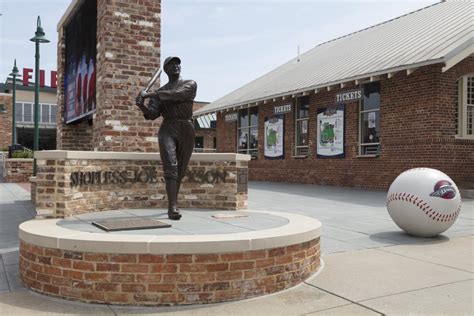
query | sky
(223,44)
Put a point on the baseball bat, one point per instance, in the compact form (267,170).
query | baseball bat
(153,79)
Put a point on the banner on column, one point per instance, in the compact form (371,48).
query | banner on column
(274,132)
(330,132)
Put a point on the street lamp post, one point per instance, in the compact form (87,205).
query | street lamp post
(14,74)
(38,38)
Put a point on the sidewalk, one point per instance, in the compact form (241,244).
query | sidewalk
(370,267)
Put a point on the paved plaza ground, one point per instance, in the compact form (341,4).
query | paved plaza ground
(370,266)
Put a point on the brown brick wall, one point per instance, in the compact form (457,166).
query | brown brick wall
(201,187)
(18,170)
(417,130)
(208,136)
(128,53)
(6,121)
(226,135)
(175,279)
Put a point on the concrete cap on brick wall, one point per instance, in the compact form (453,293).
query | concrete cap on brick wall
(108,155)
(46,233)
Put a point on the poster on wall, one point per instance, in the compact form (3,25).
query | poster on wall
(274,133)
(80,65)
(330,132)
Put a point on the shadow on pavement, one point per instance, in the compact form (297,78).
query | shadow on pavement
(401,238)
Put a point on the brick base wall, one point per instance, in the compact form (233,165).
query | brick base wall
(177,279)
(18,170)
(208,184)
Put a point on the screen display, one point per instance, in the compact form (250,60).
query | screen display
(80,69)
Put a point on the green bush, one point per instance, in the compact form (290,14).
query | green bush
(22,154)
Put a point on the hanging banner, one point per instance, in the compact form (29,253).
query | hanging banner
(274,132)
(330,132)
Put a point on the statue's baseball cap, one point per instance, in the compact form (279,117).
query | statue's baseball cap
(169,59)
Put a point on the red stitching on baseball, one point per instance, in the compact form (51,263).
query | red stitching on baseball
(424,206)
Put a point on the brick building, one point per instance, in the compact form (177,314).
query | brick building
(360,109)
(24,118)
(205,130)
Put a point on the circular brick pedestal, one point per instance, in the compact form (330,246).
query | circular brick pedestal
(138,269)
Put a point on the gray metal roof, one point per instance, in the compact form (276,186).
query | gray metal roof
(434,34)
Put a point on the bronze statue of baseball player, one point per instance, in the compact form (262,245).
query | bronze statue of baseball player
(173,101)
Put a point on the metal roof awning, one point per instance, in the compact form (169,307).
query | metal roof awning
(441,33)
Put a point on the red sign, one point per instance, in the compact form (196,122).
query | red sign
(53,77)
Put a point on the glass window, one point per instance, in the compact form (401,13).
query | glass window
(247,132)
(27,112)
(302,121)
(369,120)
(19,112)
(303,107)
(253,112)
(244,118)
(44,113)
(465,119)
(53,114)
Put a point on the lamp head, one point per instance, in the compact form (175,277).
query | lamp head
(15,72)
(39,34)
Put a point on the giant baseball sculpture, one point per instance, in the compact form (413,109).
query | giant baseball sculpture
(423,202)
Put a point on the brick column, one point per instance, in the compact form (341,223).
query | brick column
(128,52)
(6,120)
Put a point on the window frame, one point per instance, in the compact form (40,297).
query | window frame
(297,147)
(462,107)
(254,151)
(20,107)
(361,113)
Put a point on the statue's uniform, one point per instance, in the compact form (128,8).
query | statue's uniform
(174,102)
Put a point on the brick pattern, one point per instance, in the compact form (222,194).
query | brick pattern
(208,136)
(128,53)
(6,121)
(175,279)
(33,190)
(418,114)
(18,170)
(226,133)
(202,190)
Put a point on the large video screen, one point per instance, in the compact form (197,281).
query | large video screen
(80,69)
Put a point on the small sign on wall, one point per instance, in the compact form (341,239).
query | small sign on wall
(282,109)
(231,117)
(348,96)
